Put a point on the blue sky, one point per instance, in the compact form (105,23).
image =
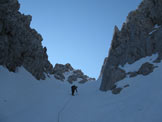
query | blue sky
(78,32)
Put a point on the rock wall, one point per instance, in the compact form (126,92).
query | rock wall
(19,44)
(140,36)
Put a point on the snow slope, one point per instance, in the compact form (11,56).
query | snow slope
(24,99)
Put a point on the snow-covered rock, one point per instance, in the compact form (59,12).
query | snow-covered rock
(68,73)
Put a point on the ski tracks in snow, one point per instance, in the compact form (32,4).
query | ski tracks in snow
(63,108)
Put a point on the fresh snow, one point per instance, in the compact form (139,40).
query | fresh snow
(152,32)
(24,99)
(154,29)
(157,26)
(67,74)
(135,66)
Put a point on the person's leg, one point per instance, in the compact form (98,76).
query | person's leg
(72,92)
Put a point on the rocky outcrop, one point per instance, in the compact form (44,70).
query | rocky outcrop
(115,74)
(19,44)
(116,90)
(60,69)
(145,69)
(132,74)
(67,72)
(78,74)
(139,36)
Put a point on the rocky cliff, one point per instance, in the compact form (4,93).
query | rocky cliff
(140,36)
(20,45)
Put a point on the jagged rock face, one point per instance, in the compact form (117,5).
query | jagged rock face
(19,44)
(67,72)
(60,69)
(115,74)
(134,41)
(145,69)
(103,66)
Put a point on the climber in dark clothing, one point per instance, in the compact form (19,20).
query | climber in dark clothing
(73,89)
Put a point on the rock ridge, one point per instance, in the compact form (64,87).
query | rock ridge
(68,73)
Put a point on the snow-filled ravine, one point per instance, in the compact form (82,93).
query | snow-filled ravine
(24,99)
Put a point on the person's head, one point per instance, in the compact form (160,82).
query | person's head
(73,84)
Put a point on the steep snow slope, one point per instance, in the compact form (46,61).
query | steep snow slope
(24,99)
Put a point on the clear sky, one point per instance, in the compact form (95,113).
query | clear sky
(78,32)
